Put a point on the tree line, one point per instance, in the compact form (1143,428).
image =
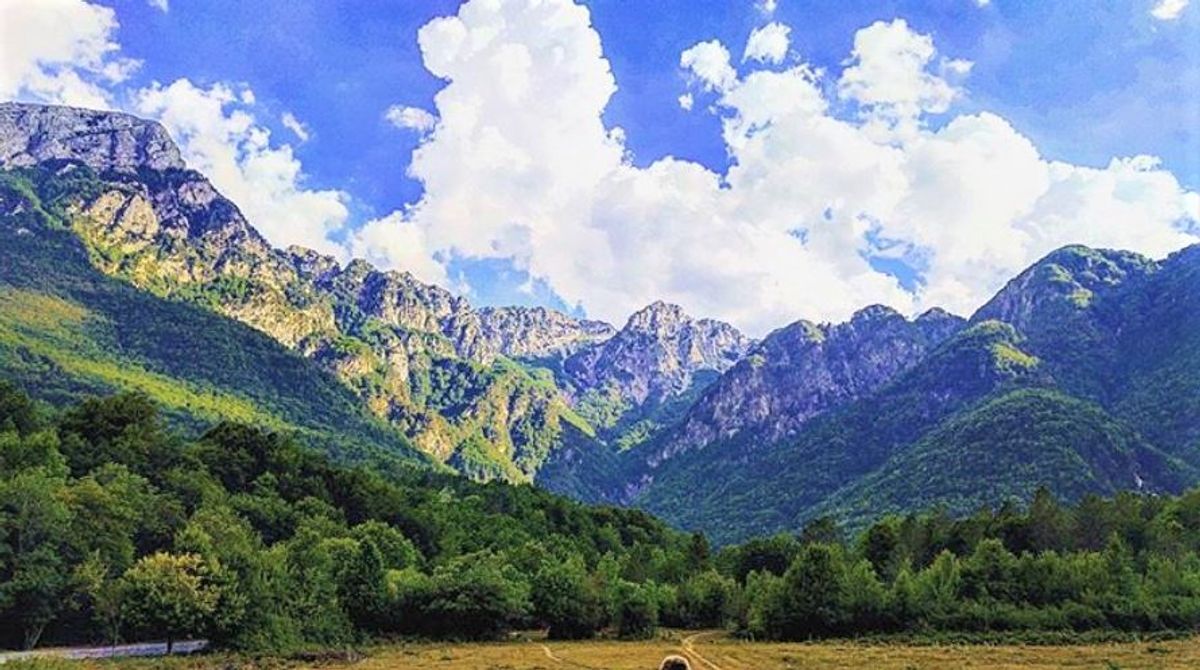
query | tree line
(114,527)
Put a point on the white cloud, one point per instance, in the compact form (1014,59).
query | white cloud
(293,124)
(1168,10)
(218,134)
(983,3)
(889,76)
(686,101)
(161,5)
(519,165)
(958,66)
(60,51)
(767,7)
(394,241)
(768,44)
(708,62)
(410,118)
(522,167)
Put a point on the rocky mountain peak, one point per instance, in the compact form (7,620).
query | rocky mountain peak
(657,318)
(1063,282)
(312,265)
(803,370)
(104,141)
(938,324)
(657,353)
(539,332)
(875,313)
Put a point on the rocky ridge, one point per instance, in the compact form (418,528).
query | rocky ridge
(417,354)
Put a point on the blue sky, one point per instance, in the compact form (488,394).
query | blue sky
(1074,75)
(845,199)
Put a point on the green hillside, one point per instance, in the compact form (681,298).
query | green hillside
(1006,448)
(765,488)
(1120,330)
(66,331)
(855,462)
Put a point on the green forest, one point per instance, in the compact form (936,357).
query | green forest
(114,526)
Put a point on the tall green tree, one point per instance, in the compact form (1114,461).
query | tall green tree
(565,599)
(169,595)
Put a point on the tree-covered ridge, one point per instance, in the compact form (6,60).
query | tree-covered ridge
(114,527)
(66,331)
(111,524)
(1080,375)
(453,398)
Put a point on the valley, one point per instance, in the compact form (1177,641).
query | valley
(1087,355)
(201,434)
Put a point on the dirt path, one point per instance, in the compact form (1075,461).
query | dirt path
(563,661)
(689,649)
(549,654)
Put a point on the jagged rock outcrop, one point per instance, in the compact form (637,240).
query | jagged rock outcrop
(657,354)
(32,134)
(804,369)
(538,332)
(414,352)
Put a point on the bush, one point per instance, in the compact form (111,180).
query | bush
(637,612)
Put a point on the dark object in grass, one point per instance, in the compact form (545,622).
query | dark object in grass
(675,663)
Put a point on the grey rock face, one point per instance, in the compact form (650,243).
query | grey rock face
(538,332)
(804,369)
(399,300)
(31,134)
(657,354)
(413,351)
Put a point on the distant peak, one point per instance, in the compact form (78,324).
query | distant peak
(875,312)
(101,140)
(311,263)
(657,315)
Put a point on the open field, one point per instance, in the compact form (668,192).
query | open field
(707,651)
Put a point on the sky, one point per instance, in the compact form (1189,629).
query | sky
(756,161)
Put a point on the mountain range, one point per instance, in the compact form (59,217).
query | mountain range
(122,268)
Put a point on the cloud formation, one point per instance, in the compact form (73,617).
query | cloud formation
(709,63)
(410,118)
(218,134)
(60,51)
(293,124)
(834,175)
(1168,10)
(522,167)
(768,44)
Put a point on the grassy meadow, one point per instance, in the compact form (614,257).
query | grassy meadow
(707,651)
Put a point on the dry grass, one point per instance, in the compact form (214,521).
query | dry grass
(712,651)
(725,654)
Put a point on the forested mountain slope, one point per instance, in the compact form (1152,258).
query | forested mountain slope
(480,390)
(123,269)
(1080,375)
(67,330)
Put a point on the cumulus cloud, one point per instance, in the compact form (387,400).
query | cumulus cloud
(1168,10)
(889,76)
(219,135)
(686,101)
(768,44)
(767,7)
(708,62)
(410,118)
(521,167)
(60,51)
(160,5)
